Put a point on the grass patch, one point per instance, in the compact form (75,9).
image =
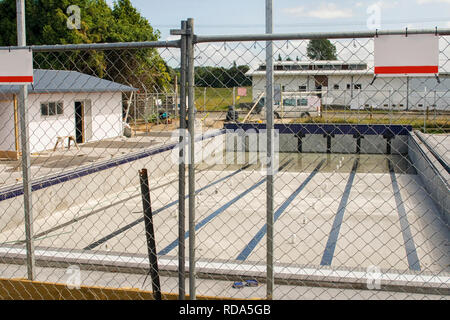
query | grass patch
(218,99)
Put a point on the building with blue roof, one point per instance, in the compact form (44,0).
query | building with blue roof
(61,104)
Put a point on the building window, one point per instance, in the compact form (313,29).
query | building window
(348,86)
(52,108)
(357,66)
(302,88)
(289,102)
(358,87)
(283,88)
(336,87)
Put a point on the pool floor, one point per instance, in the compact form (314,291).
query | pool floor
(330,210)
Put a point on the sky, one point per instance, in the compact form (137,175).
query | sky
(248,16)
(218,17)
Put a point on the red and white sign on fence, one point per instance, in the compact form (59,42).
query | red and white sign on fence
(242,92)
(16,66)
(407,55)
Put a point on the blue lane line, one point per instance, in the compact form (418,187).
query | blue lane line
(174,244)
(334,233)
(261,233)
(131,225)
(411,253)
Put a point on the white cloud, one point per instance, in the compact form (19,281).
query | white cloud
(324,11)
(432,1)
(297,11)
(173,38)
(331,11)
(387,4)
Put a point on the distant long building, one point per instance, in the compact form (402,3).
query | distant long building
(353,84)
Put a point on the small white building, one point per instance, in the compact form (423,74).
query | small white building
(352,84)
(62,103)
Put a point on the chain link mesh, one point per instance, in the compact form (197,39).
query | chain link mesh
(360,194)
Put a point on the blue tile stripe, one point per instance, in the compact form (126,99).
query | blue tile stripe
(328,254)
(327,129)
(42,183)
(262,232)
(136,222)
(438,157)
(202,223)
(411,253)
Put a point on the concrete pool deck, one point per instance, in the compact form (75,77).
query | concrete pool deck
(50,162)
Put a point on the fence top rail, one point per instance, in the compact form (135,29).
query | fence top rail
(317,35)
(98,46)
(227,38)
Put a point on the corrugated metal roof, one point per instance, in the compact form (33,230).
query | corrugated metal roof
(311,72)
(48,81)
(251,73)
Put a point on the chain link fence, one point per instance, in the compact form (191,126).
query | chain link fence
(355,194)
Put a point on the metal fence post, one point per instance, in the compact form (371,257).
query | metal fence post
(25,144)
(191,168)
(407,93)
(182,159)
(150,233)
(390,107)
(270,151)
(182,168)
(424,111)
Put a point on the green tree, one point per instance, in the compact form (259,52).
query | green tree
(220,77)
(321,49)
(46,23)
(145,67)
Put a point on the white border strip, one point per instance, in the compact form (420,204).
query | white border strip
(228,268)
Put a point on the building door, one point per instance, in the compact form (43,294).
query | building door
(88,131)
(320,82)
(79,121)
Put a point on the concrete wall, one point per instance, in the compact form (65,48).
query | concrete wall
(7,136)
(435,178)
(317,143)
(105,115)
